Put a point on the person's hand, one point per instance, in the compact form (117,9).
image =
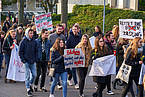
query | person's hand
(15,40)
(140,62)
(12,47)
(64,56)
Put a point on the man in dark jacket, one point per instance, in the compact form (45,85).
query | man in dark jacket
(72,41)
(43,45)
(28,54)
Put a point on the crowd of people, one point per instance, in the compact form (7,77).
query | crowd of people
(40,52)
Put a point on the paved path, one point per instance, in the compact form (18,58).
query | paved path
(18,89)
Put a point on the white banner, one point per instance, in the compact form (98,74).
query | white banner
(74,58)
(103,66)
(43,22)
(16,70)
(92,41)
(130,28)
(142,73)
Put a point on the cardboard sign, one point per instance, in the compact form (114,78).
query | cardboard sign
(103,66)
(74,58)
(43,22)
(130,28)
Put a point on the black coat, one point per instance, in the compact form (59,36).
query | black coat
(94,55)
(57,62)
(134,62)
(73,40)
(7,44)
(28,51)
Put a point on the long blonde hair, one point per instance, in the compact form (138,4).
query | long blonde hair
(134,47)
(8,33)
(88,41)
(115,32)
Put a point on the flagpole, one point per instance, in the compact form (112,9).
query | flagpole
(104,18)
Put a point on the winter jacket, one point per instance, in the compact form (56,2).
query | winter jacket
(111,46)
(73,40)
(86,51)
(28,50)
(57,61)
(98,34)
(52,37)
(134,62)
(7,44)
(47,48)
(95,54)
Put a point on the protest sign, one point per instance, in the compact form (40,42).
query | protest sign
(142,73)
(92,41)
(124,72)
(130,28)
(74,58)
(43,22)
(103,66)
(16,70)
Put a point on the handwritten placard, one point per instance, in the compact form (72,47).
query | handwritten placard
(130,28)
(103,66)
(74,58)
(43,22)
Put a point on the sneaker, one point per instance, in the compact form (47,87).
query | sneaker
(29,94)
(51,95)
(76,86)
(59,86)
(5,80)
(82,95)
(31,89)
(43,89)
(35,89)
(110,93)
(69,82)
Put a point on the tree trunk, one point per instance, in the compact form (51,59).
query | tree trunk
(64,12)
(51,9)
(20,11)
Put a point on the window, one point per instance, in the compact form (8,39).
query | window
(38,4)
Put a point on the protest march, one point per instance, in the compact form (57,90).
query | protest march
(68,57)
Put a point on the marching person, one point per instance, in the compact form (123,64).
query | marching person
(98,31)
(19,35)
(57,58)
(82,71)
(29,56)
(71,43)
(99,50)
(132,58)
(43,45)
(7,47)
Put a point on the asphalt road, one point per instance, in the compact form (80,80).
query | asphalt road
(18,89)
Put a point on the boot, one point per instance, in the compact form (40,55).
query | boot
(5,80)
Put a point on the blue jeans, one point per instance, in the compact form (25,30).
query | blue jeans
(1,59)
(29,68)
(7,59)
(64,82)
(72,73)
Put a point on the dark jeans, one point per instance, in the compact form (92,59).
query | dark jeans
(100,88)
(1,59)
(82,72)
(7,59)
(127,87)
(72,73)
(108,82)
(41,70)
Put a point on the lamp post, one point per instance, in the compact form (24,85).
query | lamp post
(104,18)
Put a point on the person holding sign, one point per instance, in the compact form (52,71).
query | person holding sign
(132,58)
(43,45)
(99,50)
(7,47)
(57,58)
(82,71)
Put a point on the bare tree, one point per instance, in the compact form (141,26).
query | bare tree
(20,11)
(64,11)
(48,4)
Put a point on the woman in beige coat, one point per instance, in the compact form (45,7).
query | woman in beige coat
(82,71)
